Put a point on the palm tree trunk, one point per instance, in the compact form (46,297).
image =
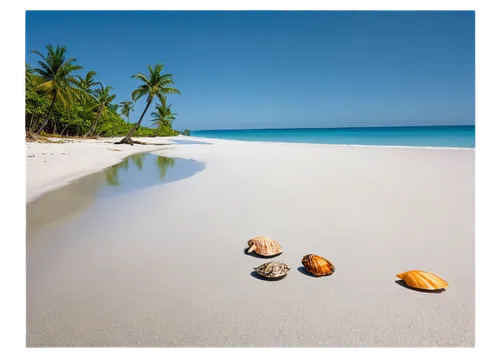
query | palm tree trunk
(127,139)
(62,132)
(94,125)
(30,128)
(48,116)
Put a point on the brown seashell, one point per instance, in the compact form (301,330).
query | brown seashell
(317,265)
(264,246)
(423,280)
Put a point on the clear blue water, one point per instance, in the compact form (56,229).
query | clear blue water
(435,136)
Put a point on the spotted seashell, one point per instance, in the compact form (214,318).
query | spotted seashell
(272,269)
(317,265)
(423,280)
(264,246)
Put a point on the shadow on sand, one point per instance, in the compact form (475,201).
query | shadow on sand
(262,278)
(303,271)
(403,284)
(253,254)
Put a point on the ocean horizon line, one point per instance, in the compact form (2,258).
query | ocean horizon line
(423,136)
(360,127)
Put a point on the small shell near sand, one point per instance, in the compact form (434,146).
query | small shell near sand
(272,270)
(423,280)
(264,246)
(317,265)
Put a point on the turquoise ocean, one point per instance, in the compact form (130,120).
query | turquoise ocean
(428,136)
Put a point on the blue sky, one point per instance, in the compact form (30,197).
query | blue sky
(280,69)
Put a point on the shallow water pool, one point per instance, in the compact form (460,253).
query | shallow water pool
(135,172)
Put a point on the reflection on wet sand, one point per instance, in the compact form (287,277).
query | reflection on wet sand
(133,173)
(112,174)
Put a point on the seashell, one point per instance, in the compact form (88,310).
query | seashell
(423,280)
(317,265)
(273,269)
(264,246)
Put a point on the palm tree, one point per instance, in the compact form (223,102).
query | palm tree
(171,116)
(127,107)
(163,115)
(29,76)
(104,98)
(154,86)
(32,103)
(86,84)
(55,77)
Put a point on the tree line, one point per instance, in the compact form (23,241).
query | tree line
(61,103)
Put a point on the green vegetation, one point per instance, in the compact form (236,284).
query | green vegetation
(163,115)
(59,102)
(157,85)
(127,107)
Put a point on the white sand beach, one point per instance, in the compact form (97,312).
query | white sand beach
(165,266)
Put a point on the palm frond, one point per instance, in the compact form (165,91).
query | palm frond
(141,77)
(139,92)
(170,90)
(46,86)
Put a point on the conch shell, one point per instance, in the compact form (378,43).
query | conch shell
(317,265)
(264,246)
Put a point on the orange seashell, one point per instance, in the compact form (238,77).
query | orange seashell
(264,246)
(423,280)
(317,265)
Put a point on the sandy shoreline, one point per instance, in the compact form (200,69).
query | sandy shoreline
(166,266)
(52,166)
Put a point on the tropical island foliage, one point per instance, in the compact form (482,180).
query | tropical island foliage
(59,102)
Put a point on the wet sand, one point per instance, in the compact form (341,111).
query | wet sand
(164,265)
